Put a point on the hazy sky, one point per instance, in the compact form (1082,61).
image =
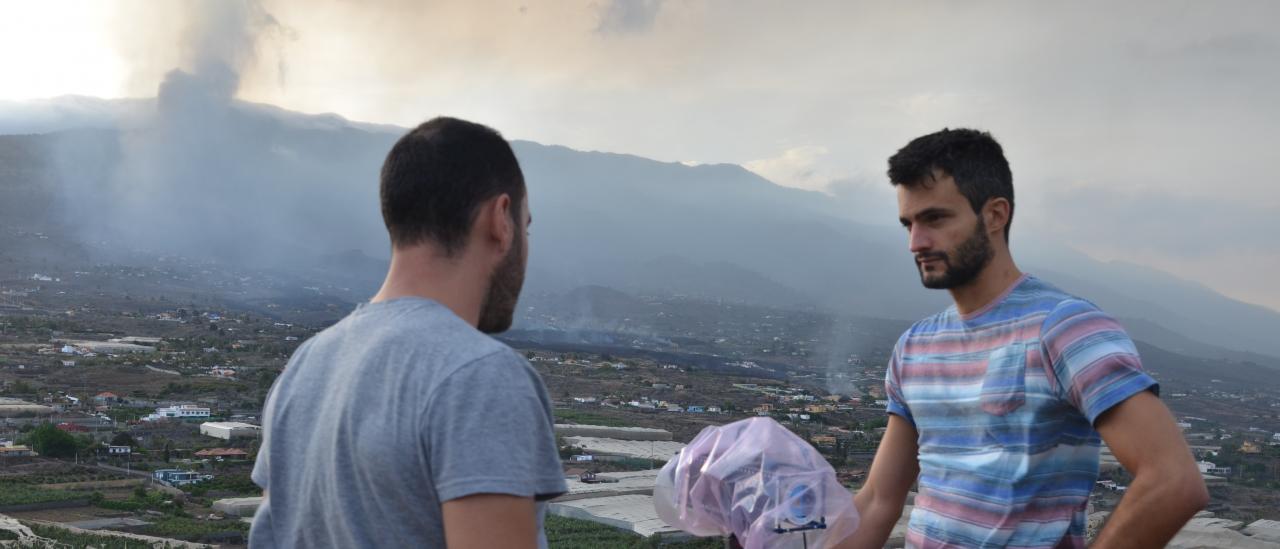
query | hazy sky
(1136,130)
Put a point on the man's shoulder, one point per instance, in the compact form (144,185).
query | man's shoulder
(1046,296)
(1036,300)
(502,379)
(1056,304)
(502,371)
(415,324)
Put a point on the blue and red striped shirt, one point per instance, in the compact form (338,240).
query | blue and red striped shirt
(1004,400)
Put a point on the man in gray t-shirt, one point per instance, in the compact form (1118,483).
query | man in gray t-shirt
(404,425)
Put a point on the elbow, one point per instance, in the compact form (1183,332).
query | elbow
(1190,494)
(1181,491)
(1197,494)
(878,508)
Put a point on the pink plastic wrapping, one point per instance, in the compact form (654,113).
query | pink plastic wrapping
(757,480)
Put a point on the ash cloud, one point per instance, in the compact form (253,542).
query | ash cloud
(206,175)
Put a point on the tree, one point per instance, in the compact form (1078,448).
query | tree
(123,439)
(50,441)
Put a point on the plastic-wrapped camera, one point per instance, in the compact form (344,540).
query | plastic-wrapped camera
(756,480)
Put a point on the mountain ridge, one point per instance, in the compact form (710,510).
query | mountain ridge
(303,187)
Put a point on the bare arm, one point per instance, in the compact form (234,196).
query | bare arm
(880,500)
(1167,488)
(490,520)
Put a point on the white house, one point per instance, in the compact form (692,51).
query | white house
(183,411)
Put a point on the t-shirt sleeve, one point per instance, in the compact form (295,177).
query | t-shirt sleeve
(261,468)
(1093,360)
(490,431)
(893,383)
(261,473)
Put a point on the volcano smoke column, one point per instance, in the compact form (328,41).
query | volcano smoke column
(209,176)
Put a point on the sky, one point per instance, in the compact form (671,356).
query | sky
(1136,131)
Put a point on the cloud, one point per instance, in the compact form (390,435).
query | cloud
(1228,243)
(798,167)
(1121,219)
(1165,99)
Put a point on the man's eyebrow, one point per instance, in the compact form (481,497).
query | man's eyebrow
(925,212)
(933,211)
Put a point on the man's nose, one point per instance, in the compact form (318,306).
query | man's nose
(920,240)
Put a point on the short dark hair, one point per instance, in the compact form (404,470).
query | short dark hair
(971,157)
(437,175)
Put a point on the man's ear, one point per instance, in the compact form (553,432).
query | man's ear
(995,214)
(496,218)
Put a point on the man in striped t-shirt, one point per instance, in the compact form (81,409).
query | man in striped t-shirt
(998,405)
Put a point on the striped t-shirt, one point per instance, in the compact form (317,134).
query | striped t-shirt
(1004,400)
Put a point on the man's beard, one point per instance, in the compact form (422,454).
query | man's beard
(970,257)
(499,307)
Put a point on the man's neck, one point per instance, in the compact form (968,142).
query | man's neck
(1000,274)
(422,273)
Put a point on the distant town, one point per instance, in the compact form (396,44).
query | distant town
(130,398)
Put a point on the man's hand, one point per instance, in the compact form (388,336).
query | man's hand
(483,521)
(880,501)
(1167,488)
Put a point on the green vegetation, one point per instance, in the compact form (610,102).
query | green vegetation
(125,414)
(239,484)
(71,474)
(67,539)
(876,423)
(568,533)
(141,500)
(624,464)
(123,439)
(20,493)
(50,441)
(20,387)
(192,529)
(195,388)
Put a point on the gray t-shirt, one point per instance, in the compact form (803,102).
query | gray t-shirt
(380,418)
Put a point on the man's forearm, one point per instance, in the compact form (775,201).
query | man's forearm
(1152,511)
